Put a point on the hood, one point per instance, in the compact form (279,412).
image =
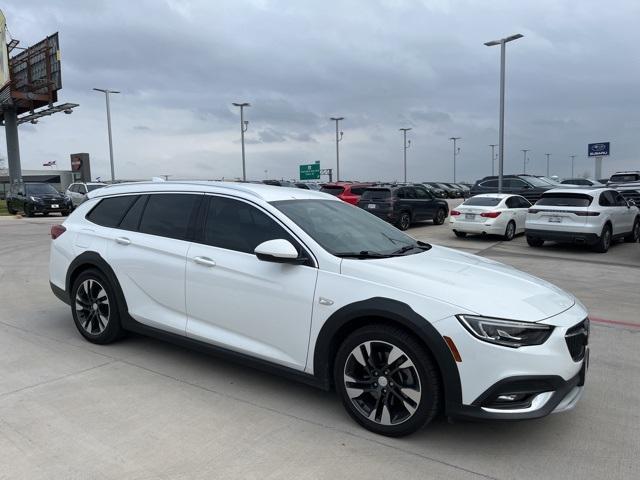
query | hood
(469,282)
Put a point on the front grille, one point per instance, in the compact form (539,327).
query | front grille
(577,339)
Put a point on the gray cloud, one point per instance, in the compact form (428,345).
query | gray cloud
(381,64)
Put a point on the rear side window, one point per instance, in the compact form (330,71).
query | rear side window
(167,215)
(607,199)
(110,211)
(482,201)
(332,190)
(358,190)
(565,200)
(236,225)
(131,219)
(490,184)
(377,194)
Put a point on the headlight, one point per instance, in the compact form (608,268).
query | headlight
(508,333)
(34,199)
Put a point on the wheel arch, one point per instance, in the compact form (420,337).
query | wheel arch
(391,312)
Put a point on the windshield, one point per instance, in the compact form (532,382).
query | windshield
(550,181)
(345,230)
(482,201)
(91,188)
(537,182)
(40,189)
(631,177)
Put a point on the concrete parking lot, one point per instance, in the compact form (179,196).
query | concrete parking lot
(144,409)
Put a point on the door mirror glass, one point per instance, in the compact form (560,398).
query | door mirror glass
(278,250)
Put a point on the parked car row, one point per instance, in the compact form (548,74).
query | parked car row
(43,198)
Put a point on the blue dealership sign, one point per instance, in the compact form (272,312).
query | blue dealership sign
(599,149)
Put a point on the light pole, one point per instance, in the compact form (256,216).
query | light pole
(502,42)
(339,135)
(573,157)
(548,155)
(244,125)
(404,135)
(108,92)
(455,153)
(493,158)
(524,160)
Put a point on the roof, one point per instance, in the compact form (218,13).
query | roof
(584,190)
(497,195)
(268,193)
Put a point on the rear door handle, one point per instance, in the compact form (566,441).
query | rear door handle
(123,241)
(207,262)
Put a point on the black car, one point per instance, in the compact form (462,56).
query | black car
(435,191)
(38,198)
(527,186)
(404,204)
(449,191)
(279,183)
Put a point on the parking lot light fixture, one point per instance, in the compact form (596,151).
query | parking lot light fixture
(548,155)
(525,160)
(404,135)
(502,42)
(244,125)
(573,158)
(339,135)
(456,150)
(107,93)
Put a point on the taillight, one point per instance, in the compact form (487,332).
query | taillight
(586,214)
(56,231)
(490,214)
(455,213)
(533,210)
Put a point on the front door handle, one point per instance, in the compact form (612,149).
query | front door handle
(123,241)
(207,262)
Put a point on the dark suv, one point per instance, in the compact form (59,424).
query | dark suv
(404,204)
(527,186)
(38,198)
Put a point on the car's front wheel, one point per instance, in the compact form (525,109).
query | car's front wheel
(95,308)
(28,211)
(387,380)
(440,217)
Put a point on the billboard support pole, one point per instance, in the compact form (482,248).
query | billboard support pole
(598,169)
(13,148)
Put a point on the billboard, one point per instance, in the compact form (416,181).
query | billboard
(4,52)
(598,149)
(310,171)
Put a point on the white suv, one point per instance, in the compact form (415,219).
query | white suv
(77,192)
(298,282)
(591,216)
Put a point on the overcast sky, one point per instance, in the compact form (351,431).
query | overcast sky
(382,64)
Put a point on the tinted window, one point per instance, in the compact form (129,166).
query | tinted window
(358,190)
(376,194)
(515,183)
(512,202)
(565,200)
(410,192)
(332,190)
(73,188)
(624,177)
(620,201)
(94,187)
(607,199)
(40,189)
(524,203)
(236,225)
(167,215)
(109,211)
(576,181)
(490,184)
(482,201)
(302,186)
(422,194)
(131,219)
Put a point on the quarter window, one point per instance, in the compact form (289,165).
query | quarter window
(109,211)
(607,199)
(168,215)
(131,219)
(236,225)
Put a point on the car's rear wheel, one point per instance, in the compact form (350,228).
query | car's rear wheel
(404,221)
(535,241)
(11,210)
(460,234)
(510,231)
(634,235)
(388,382)
(95,307)
(440,217)
(604,241)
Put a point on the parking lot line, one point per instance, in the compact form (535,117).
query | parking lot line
(615,322)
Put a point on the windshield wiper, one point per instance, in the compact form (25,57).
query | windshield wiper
(420,245)
(361,254)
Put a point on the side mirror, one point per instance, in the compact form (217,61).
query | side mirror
(278,251)
(631,203)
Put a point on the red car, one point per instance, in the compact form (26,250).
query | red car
(346,191)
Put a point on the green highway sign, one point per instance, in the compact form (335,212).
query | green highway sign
(310,171)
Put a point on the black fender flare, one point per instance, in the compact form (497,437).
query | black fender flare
(398,313)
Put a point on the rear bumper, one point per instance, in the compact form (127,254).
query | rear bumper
(60,293)
(587,238)
(491,227)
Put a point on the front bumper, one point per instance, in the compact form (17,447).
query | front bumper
(47,208)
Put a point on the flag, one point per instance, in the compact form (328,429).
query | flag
(49,164)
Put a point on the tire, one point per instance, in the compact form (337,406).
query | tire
(535,241)
(396,416)
(634,235)
(604,240)
(439,217)
(404,221)
(510,231)
(11,210)
(460,234)
(91,293)
(65,213)
(27,211)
